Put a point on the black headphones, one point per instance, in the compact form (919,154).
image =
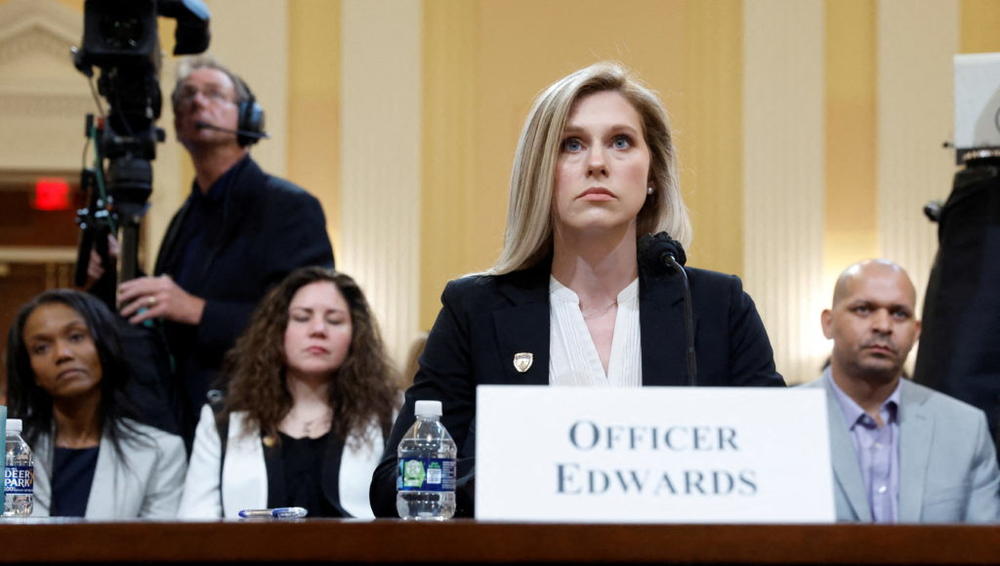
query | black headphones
(251,119)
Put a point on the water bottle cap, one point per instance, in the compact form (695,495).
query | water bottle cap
(13,425)
(428,408)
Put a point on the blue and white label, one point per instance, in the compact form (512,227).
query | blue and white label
(18,480)
(426,474)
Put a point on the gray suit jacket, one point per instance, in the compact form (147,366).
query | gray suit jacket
(149,486)
(947,462)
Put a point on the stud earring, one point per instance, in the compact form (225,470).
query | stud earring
(649,190)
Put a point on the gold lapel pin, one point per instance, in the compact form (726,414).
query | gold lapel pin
(523,361)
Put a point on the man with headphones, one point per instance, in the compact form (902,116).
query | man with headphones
(239,232)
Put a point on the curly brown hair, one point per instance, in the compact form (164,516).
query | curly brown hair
(364,389)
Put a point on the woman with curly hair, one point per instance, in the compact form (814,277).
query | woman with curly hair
(311,395)
(67,377)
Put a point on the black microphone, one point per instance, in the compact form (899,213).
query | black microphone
(660,253)
(206,126)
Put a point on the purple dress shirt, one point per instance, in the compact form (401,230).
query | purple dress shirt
(877,449)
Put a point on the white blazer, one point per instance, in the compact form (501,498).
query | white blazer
(244,474)
(147,484)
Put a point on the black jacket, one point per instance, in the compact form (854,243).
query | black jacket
(485,320)
(269,228)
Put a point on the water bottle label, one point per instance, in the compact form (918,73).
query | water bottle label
(426,474)
(18,480)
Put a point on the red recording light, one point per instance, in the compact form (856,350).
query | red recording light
(51,193)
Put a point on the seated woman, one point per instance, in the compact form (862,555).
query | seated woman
(594,172)
(311,398)
(66,380)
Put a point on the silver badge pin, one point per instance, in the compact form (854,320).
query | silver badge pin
(523,360)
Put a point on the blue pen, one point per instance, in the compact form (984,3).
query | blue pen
(276,513)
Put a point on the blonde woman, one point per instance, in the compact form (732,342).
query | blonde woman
(594,171)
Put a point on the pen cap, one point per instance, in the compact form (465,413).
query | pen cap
(427,409)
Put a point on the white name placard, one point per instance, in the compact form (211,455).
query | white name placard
(654,454)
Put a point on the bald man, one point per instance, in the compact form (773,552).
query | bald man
(901,452)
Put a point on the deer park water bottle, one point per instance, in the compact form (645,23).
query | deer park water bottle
(425,483)
(18,473)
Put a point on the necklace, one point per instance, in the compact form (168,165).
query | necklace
(317,425)
(600,312)
(295,425)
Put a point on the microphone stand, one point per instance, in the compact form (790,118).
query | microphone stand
(692,363)
(660,252)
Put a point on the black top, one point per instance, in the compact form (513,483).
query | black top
(72,475)
(302,459)
(959,352)
(203,223)
(259,228)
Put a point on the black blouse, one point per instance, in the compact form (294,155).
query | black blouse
(303,466)
(72,476)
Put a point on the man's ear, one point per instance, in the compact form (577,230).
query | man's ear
(827,321)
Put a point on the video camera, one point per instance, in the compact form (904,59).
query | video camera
(120,38)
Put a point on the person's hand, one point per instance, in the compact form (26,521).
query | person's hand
(95,267)
(158,297)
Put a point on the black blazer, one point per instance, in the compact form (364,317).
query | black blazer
(485,320)
(269,228)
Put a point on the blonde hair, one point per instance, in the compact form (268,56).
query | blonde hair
(528,236)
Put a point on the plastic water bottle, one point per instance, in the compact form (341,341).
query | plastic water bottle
(18,473)
(425,483)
